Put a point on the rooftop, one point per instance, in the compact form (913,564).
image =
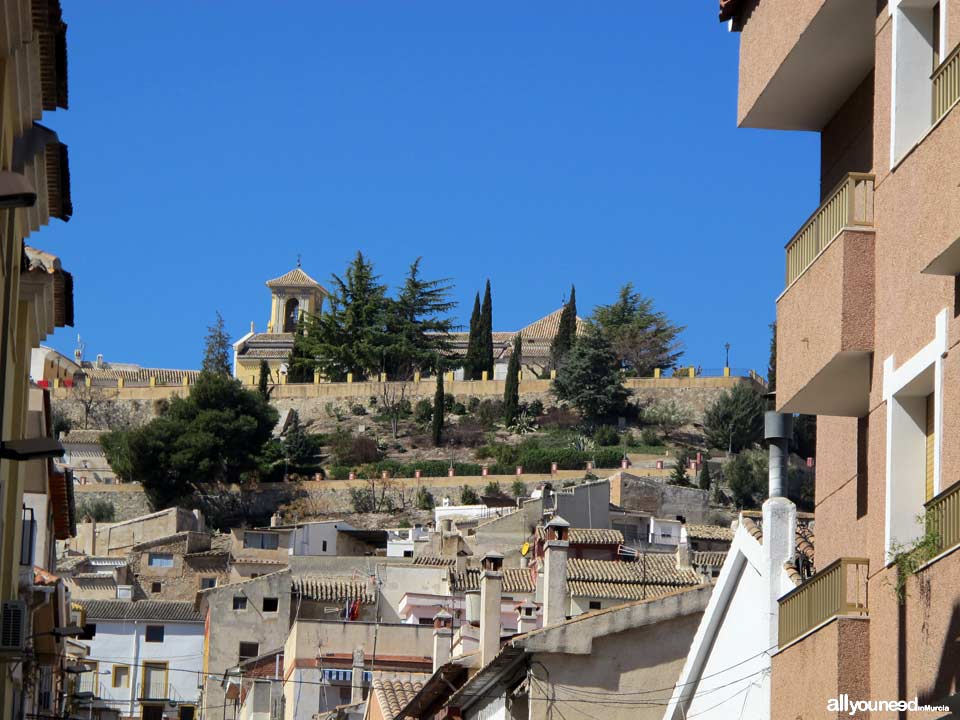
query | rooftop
(296,278)
(709,532)
(170,611)
(333,589)
(651,575)
(515,580)
(395,694)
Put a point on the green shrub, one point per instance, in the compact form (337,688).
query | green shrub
(472,404)
(535,408)
(424,499)
(492,488)
(649,436)
(99,510)
(423,413)
(605,436)
(489,413)
(358,409)
(468,496)
(458,408)
(518,488)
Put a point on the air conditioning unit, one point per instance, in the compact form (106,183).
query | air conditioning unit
(13,625)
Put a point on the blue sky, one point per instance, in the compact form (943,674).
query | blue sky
(536,144)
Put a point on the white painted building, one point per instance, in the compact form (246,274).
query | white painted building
(145,659)
(403,543)
(665,532)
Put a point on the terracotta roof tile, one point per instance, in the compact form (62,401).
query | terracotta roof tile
(709,532)
(141,610)
(394,695)
(333,589)
(434,560)
(708,558)
(295,278)
(590,536)
(515,580)
(615,578)
(546,327)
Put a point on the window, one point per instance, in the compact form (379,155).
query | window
(324,548)
(919,34)
(89,631)
(425,621)
(151,712)
(595,604)
(160,559)
(45,689)
(239,602)
(154,634)
(270,604)
(154,685)
(248,650)
(187,712)
(156,587)
(261,540)
(408,553)
(121,676)
(208,582)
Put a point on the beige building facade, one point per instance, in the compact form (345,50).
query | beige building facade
(868,323)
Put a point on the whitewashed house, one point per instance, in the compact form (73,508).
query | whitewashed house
(146,658)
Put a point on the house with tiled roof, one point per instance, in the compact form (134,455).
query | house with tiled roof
(392,692)
(145,657)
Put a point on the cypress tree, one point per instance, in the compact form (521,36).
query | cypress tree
(217,349)
(486,334)
(438,408)
(705,478)
(566,330)
(471,362)
(511,390)
(264,380)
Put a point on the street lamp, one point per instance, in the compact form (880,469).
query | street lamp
(727,348)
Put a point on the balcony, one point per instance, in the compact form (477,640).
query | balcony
(946,84)
(838,589)
(825,316)
(794,72)
(943,518)
(155,691)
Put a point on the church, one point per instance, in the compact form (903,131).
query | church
(296,293)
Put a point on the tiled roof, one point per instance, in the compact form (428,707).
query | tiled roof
(141,610)
(590,536)
(515,580)
(546,327)
(709,532)
(84,437)
(256,561)
(619,591)
(751,527)
(805,542)
(618,579)
(138,374)
(270,346)
(333,589)
(795,577)
(710,558)
(434,560)
(395,695)
(295,278)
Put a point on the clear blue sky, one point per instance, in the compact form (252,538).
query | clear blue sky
(535,144)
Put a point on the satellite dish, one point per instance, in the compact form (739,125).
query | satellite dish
(524,549)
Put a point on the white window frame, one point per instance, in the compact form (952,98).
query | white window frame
(905,494)
(161,558)
(911,87)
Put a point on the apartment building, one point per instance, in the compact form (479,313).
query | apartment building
(867,324)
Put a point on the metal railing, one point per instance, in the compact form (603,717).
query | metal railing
(156,690)
(838,589)
(849,205)
(943,517)
(946,84)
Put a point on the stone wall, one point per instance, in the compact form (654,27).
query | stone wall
(101,407)
(129,501)
(654,495)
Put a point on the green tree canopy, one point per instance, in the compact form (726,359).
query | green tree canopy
(217,349)
(486,334)
(772,364)
(734,421)
(212,436)
(589,379)
(511,389)
(472,361)
(417,324)
(641,337)
(566,330)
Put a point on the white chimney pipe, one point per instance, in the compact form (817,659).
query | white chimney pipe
(555,602)
(491,592)
(442,638)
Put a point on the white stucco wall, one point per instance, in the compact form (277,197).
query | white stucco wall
(123,643)
(309,539)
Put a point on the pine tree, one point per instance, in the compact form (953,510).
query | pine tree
(772,364)
(417,327)
(471,362)
(511,390)
(296,446)
(486,334)
(300,364)
(438,408)
(351,336)
(705,478)
(679,474)
(566,330)
(263,383)
(589,378)
(216,351)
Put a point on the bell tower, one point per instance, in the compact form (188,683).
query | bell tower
(291,296)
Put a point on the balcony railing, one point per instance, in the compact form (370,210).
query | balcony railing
(154,691)
(849,205)
(838,589)
(943,518)
(946,84)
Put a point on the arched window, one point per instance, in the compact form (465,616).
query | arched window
(291,315)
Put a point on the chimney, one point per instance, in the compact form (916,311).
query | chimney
(683,551)
(491,592)
(442,638)
(99,360)
(356,683)
(779,515)
(526,616)
(557,545)
(275,520)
